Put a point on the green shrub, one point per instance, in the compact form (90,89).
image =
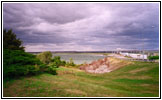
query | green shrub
(43,67)
(153,57)
(17,63)
(33,69)
(56,62)
(70,63)
(45,57)
(15,71)
(19,58)
(52,70)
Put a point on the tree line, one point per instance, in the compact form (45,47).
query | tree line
(18,63)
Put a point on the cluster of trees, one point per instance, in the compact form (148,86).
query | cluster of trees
(10,41)
(53,63)
(17,62)
(153,57)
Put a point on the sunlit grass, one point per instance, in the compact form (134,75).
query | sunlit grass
(140,79)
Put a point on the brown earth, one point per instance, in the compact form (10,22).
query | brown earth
(107,64)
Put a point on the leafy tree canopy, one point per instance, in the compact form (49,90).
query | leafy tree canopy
(10,41)
(45,57)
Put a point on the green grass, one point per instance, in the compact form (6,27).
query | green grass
(140,79)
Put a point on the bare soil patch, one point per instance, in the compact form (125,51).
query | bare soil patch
(107,64)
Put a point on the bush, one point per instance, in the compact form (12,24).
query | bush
(52,70)
(70,63)
(15,71)
(17,63)
(19,58)
(33,69)
(56,62)
(45,57)
(43,67)
(153,57)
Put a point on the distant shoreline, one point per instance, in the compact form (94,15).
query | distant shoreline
(129,51)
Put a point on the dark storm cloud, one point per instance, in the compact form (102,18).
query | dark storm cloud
(84,26)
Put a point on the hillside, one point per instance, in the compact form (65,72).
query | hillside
(139,79)
(105,65)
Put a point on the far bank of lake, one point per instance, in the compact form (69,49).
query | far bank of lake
(80,58)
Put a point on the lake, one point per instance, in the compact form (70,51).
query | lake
(79,58)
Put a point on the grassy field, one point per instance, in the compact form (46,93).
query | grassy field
(140,79)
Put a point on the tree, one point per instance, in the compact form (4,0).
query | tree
(56,62)
(45,57)
(153,57)
(70,63)
(10,41)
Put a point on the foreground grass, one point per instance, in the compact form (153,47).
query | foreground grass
(140,79)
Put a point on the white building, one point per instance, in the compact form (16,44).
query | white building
(136,56)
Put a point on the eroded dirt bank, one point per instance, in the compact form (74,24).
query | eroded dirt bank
(107,64)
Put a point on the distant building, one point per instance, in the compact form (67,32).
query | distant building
(136,56)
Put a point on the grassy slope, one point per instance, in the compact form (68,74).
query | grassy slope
(136,80)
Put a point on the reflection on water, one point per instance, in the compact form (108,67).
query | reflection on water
(79,58)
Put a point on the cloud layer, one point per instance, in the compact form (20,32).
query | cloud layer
(84,26)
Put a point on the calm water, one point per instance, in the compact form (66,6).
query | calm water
(79,58)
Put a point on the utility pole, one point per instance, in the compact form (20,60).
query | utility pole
(143,54)
(143,45)
(142,49)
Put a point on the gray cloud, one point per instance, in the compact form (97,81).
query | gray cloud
(84,26)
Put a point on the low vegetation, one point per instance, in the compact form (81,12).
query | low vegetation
(139,79)
(53,63)
(70,63)
(153,57)
(57,62)
(45,57)
(17,63)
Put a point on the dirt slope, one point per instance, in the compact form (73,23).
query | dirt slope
(107,64)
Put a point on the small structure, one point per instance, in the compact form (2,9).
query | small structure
(136,56)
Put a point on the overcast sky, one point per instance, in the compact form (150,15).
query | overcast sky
(84,26)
